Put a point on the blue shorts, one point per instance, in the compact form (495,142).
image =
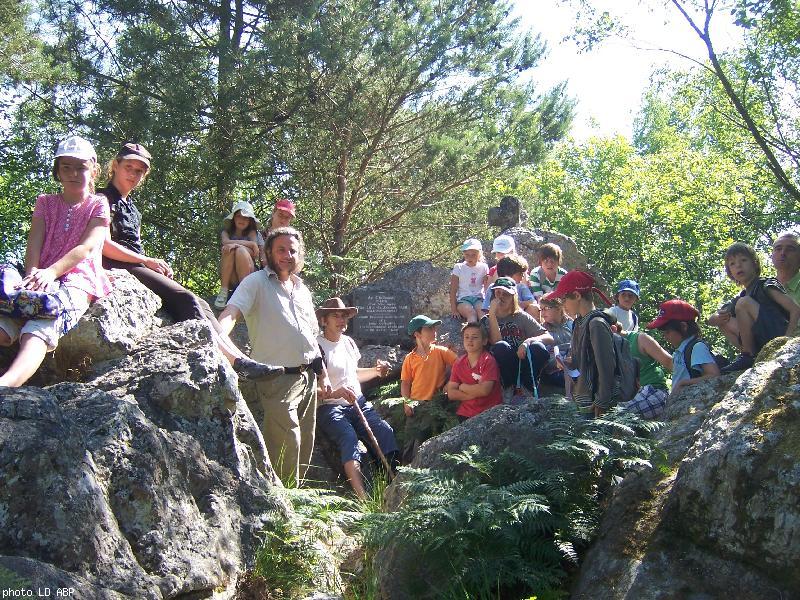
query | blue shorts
(471,300)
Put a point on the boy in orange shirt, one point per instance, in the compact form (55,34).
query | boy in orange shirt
(422,377)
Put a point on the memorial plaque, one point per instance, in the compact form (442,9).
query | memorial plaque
(382,317)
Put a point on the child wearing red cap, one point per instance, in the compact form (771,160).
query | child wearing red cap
(677,320)
(592,344)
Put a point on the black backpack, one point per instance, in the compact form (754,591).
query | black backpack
(626,370)
(687,358)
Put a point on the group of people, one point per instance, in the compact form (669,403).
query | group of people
(521,329)
(561,338)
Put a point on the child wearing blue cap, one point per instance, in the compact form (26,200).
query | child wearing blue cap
(627,295)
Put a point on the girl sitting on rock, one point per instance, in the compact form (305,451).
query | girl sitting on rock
(63,257)
(124,250)
(241,248)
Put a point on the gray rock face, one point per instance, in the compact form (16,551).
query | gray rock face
(149,482)
(110,328)
(724,520)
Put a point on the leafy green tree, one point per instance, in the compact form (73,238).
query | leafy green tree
(414,103)
(662,210)
(753,86)
(379,117)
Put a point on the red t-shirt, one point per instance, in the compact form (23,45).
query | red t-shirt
(484,370)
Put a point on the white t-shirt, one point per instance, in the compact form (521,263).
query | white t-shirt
(341,360)
(624,318)
(470,279)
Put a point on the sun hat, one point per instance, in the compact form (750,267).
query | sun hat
(471,244)
(335,304)
(131,151)
(628,285)
(577,281)
(504,244)
(285,204)
(419,322)
(246,209)
(76,147)
(506,284)
(673,310)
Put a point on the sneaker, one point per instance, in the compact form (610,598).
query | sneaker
(745,361)
(222,298)
(253,370)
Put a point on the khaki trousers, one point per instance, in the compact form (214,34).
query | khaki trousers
(289,407)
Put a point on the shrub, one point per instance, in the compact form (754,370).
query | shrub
(506,526)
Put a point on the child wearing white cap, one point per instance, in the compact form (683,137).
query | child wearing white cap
(466,282)
(62,259)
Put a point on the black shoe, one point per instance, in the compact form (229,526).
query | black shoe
(745,361)
(250,369)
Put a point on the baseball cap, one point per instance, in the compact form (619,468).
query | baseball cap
(285,204)
(506,284)
(577,281)
(504,244)
(574,281)
(131,151)
(629,285)
(76,147)
(419,322)
(673,310)
(471,244)
(246,209)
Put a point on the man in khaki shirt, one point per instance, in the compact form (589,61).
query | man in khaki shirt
(279,312)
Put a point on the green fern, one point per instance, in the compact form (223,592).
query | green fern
(505,524)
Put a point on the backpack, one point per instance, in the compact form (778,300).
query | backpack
(687,358)
(626,369)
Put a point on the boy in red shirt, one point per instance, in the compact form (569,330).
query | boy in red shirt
(475,379)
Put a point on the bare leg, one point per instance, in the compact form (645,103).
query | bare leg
(730,329)
(353,471)
(746,316)
(227,266)
(32,351)
(244,263)
(466,311)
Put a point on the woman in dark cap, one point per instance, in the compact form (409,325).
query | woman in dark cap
(123,250)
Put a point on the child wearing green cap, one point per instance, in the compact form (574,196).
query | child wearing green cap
(422,377)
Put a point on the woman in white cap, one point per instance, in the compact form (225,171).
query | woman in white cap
(62,258)
(124,250)
(242,247)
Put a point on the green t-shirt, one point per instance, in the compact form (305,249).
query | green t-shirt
(650,371)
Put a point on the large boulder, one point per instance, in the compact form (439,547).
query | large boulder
(721,519)
(150,481)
